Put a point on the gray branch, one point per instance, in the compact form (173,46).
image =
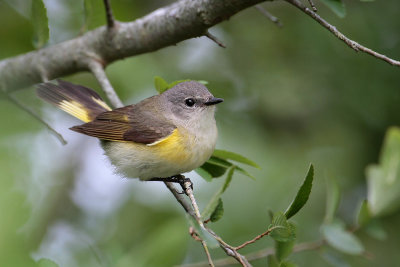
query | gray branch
(164,27)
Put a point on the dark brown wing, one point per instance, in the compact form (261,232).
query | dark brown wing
(141,123)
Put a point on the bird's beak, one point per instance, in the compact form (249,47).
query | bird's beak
(213,101)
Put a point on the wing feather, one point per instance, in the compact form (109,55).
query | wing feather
(140,123)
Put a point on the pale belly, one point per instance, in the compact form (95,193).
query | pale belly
(175,155)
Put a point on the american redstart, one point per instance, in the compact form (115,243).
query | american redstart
(159,137)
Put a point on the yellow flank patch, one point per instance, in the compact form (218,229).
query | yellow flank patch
(172,148)
(75,109)
(101,103)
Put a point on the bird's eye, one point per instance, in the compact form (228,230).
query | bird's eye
(189,102)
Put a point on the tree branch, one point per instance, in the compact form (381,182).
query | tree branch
(180,199)
(356,46)
(164,27)
(187,186)
(97,69)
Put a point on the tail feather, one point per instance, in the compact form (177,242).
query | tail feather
(78,101)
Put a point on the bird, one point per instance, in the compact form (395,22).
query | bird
(159,137)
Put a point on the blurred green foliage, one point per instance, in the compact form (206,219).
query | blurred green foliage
(293,95)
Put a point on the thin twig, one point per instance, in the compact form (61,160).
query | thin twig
(230,250)
(98,71)
(255,238)
(214,39)
(268,15)
(109,14)
(193,234)
(186,206)
(307,246)
(354,45)
(37,117)
(314,8)
(187,186)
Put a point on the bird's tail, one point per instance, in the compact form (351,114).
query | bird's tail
(78,101)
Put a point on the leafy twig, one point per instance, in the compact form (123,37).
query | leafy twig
(354,45)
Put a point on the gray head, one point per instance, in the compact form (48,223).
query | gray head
(190,100)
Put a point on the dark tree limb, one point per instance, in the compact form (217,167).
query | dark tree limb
(164,27)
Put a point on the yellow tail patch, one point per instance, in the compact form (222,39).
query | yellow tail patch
(75,109)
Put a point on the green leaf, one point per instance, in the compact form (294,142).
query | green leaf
(222,164)
(177,82)
(384,179)
(364,215)
(43,262)
(40,23)
(332,199)
(367,0)
(337,6)
(223,154)
(218,211)
(340,239)
(214,170)
(272,261)
(204,173)
(283,231)
(202,82)
(226,164)
(219,162)
(212,205)
(283,249)
(302,195)
(244,172)
(160,84)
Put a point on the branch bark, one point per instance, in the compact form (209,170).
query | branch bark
(163,27)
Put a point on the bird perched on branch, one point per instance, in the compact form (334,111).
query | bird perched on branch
(159,137)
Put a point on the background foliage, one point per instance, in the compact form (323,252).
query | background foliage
(293,95)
